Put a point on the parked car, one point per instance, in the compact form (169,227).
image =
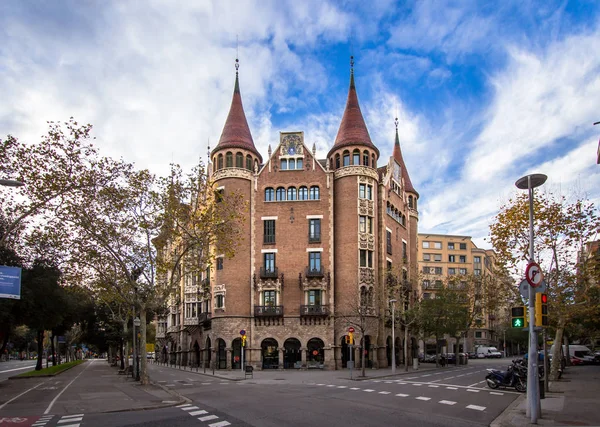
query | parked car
(472,355)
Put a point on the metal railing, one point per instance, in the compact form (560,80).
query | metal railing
(314,310)
(268,310)
(269,273)
(315,272)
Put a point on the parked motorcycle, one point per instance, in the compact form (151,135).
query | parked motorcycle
(515,376)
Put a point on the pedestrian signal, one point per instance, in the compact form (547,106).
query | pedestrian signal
(519,317)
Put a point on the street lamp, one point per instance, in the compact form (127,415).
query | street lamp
(529,182)
(11,183)
(393,301)
(136,326)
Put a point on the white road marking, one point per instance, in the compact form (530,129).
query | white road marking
(452,388)
(428,375)
(449,378)
(342,386)
(205,383)
(368,390)
(72,416)
(461,375)
(331,385)
(423,398)
(190,408)
(435,381)
(320,384)
(200,412)
(402,395)
(447,402)
(208,418)
(69,420)
(354,388)
(376,381)
(434,386)
(16,397)
(63,390)
(477,408)
(496,393)
(411,378)
(417,384)
(186,384)
(473,385)
(384,392)
(219,424)
(472,391)
(184,405)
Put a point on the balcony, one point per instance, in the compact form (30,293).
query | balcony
(315,272)
(172,329)
(190,321)
(269,273)
(314,310)
(268,311)
(160,334)
(204,318)
(314,238)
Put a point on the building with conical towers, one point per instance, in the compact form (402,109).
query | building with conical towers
(328,243)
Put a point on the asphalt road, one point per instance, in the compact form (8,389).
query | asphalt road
(454,396)
(15,367)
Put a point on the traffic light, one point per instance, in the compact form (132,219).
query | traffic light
(350,338)
(541,309)
(243,340)
(519,317)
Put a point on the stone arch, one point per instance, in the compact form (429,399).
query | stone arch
(236,354)
(207,352)
(292,354)
(221,354)
(316,352)
(270,353)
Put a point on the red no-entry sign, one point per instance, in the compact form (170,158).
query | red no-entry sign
(350,329)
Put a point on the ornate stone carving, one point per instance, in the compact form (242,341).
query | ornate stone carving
(366,276)
(269,284)
(361,171)
(315,283)
(232,173)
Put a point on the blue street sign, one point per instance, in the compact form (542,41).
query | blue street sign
(10,282)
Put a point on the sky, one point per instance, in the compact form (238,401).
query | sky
(485,91)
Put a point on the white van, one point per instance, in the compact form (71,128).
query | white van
(488,352)
(578,353)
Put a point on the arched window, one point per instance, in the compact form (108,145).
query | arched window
(229,160)
(269,194)
(239,160)
(291,194)
(303,193)
(415,202)
(346,158)
(280,194)
(249,162)
(337,161)
(366,158)
(356,157)
(314,192)
(220,162)
(214,160)
(373,164)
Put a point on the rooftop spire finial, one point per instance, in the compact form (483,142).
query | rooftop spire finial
(352,63)
(396,123)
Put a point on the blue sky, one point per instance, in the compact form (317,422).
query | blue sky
(485,92)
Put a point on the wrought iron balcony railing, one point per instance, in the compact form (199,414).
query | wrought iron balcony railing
(314,238)
(314,310)
(315,272)
(269,273)
(268,310)
(203,318)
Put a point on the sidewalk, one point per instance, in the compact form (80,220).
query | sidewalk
(572,401)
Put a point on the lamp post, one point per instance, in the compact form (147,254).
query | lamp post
(529,182)
(11,183)
(393,302)
(136,329)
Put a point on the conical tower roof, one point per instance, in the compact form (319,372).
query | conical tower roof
(236,133)
(353,130)
(397,155)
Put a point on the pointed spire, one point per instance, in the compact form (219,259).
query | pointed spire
(353,130)
(397,155)
(236,132)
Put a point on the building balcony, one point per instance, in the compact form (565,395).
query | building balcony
(315,272)
(204,318)
(269,273)
(314,310)
(160,335)
(268,311)
(172,329)
(190,321)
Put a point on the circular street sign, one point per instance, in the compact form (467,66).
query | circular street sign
(350,329)
(242,332)
(315,352)
(533,274)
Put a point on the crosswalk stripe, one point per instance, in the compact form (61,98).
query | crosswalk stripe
(69,420)
(402,395)
(368,390)
(354,388)
(184,405)
(472,391)
(190,408)
(72,416)
(384,392)
(477,408)
(496,393)
(447,402)
(200,412)
(208,418)
(219,424)
(423,398)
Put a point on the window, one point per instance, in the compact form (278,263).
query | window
(284,164)
(299,164)
(410,201)
(427,270)
(229,160)
(425,245)
(280,194)
(426,295)
(219,301)
(220,263)
(426,284)
(463,246)
(462,271)
(370,192)
(303,193)
(477,272)
(337,161)
(292,164)
(269,236)
(365,224)
(239,160)
(451,271)
(356,157)
(314,192)
(438,284)
(477,259)
(365,191)
(219,195)
(437,245)
(438,270)
(426,257)
(389,242)
(220,162)
(248,162)
(404,249)
(269,259)
(437,257)
(269,194)
(270,298)
(450,245)
(346,158)
(451,258)
(314,230)
(314,261)
(365,158)
(366,258)
(291,193)
(314,297)
(462,258)
(478,335)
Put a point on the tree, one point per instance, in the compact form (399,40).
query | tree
(561,229)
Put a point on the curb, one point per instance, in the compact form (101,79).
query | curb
(504,418)
(17,377)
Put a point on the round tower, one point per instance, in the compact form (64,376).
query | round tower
(353,158)
(235,160)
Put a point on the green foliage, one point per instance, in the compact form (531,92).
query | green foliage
(51,370)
